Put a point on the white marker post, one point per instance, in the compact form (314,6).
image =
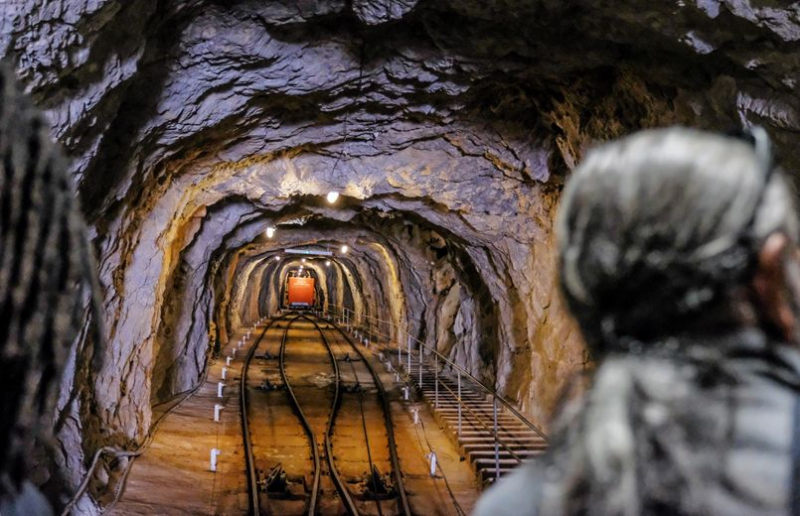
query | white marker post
(224,373)
(233,352)
(214,453)
(227,361)
(432,457)
(220,385)
(405,393)
(416,416)
(217,409)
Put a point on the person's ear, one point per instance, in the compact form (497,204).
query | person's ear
(769,285)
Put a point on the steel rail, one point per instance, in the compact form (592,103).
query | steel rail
(311,508)
(252,477)
(404,506)
(364,428)
(344,494)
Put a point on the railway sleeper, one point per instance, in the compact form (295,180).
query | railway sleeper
(375,486)
(277,485)
(348,358)
(267,385)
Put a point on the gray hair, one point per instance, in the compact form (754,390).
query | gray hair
(649,229)
(650,235)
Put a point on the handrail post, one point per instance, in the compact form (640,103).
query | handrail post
(436,381)
(408,352)
(399,351)
(366,328)
(421,358)
(458,373)
(496,442)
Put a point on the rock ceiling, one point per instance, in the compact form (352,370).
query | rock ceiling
(448,126)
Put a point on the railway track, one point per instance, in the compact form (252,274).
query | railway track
(365,395)
(297,463)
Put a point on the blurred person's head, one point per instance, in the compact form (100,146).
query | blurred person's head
(677,252)
(676,231)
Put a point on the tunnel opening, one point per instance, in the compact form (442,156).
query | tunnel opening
(206,139)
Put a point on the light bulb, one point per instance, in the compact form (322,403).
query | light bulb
(327,263)
(303,260)
(277,258)
(270,232)
(332,196)
(344,248)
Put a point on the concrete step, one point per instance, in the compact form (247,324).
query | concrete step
(477,419)
(504,454)
(465,428)
(477,407)
(485,446)
(508,434)
(468,418)
(488,474)
(476,440)
(472,439)
(481,421)
(508,463)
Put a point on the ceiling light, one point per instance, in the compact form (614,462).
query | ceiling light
(344,248)
(270,232)
(277,258)
(332,196)
(327,263)
(303,260)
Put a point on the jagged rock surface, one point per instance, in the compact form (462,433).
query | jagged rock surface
(448,126)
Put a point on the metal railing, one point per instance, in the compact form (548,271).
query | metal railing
(372,329)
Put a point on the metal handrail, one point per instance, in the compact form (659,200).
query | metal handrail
(453,365)
(477,419)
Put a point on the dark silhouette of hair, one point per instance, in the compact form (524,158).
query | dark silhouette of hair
(652,262)
(46,276)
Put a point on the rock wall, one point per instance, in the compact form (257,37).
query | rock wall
(447,125)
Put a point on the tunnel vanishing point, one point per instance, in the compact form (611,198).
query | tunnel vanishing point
(324,229)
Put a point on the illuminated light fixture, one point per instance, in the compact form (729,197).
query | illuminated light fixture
(327,263)
(303,260)
(344,248)
(277,258)
(270,232)
(332,196)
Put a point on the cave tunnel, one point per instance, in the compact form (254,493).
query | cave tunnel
(408,156)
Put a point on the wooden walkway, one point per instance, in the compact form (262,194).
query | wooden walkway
(172,477)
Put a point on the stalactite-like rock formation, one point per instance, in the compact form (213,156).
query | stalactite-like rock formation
(448,126)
